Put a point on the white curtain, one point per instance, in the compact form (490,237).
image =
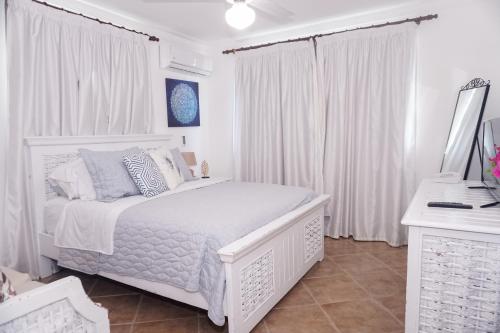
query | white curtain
(369,166)
(277,116)
(3,114)
(67,76)
(341,122)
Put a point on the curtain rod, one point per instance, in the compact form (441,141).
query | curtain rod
(151,38)
(417,20)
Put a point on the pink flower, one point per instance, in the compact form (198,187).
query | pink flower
(495,164)
(496,160)
(496,171)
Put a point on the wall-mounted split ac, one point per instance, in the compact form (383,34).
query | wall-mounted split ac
(186,60)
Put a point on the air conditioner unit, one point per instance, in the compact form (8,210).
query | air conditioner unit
(186,60)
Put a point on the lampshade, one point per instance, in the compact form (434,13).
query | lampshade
(189,157)
(240,16)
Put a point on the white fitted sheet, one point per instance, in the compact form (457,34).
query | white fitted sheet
(52,213)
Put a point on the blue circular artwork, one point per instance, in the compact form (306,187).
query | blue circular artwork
(184,103)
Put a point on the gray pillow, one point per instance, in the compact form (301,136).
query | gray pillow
(181,165)
(109,175)
(145,173)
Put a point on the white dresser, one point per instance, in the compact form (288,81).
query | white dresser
(453,262)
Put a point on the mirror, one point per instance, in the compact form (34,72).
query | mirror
(467,118)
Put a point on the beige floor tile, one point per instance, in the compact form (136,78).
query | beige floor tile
(395,258)
(88,281)
(105,287)
(121,309)
(395,304)
(401,271)
(341,246)
(332,289)
(121,328)
(184,325)
(373,246)
(381,282)
(298,296)
(153,308)
(206,326)
(260,328)
(306,319)
(358,263)
(363,316)
(323,269)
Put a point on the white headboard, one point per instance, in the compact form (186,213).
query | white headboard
(43,154)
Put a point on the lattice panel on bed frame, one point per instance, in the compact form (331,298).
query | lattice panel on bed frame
(460,289)
(50,162)
(313,238)
(56,317)
(257,283)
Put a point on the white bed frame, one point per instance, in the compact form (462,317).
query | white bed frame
(260,267)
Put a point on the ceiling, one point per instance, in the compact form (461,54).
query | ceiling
(205,21)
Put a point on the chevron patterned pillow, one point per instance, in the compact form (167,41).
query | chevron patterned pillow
(145,173)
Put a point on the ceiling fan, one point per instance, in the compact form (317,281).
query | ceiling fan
(241,14)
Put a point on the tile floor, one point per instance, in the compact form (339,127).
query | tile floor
(358,288)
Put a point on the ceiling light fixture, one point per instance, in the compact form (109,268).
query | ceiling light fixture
(240,16)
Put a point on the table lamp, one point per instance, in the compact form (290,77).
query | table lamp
(190,159)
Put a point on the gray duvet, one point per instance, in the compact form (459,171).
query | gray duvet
(174,239)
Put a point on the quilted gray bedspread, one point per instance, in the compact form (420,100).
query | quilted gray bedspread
(175,239)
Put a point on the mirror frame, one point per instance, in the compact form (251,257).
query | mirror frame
(473,84)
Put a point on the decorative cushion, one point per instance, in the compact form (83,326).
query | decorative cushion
(181,165)
(110,177)
(145,173)
(164,161)
(6,288)
(73,179)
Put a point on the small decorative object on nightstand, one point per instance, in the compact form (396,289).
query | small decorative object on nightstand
(204,169)
(190,159)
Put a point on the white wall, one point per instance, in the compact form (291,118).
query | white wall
(462,44)
(197,138)
(221,114)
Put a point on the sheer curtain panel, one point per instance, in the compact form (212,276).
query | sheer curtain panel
(278,118)
(67,76)
(3,118)
(369,162)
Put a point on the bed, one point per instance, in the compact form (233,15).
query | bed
(260,265)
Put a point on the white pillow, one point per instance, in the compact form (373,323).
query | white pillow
(164,161)
(74,179)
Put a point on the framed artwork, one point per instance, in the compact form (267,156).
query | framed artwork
(183,107)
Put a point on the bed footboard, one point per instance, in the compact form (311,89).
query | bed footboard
(263,266)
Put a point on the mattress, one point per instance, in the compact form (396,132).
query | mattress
(52,212)
(174,239)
